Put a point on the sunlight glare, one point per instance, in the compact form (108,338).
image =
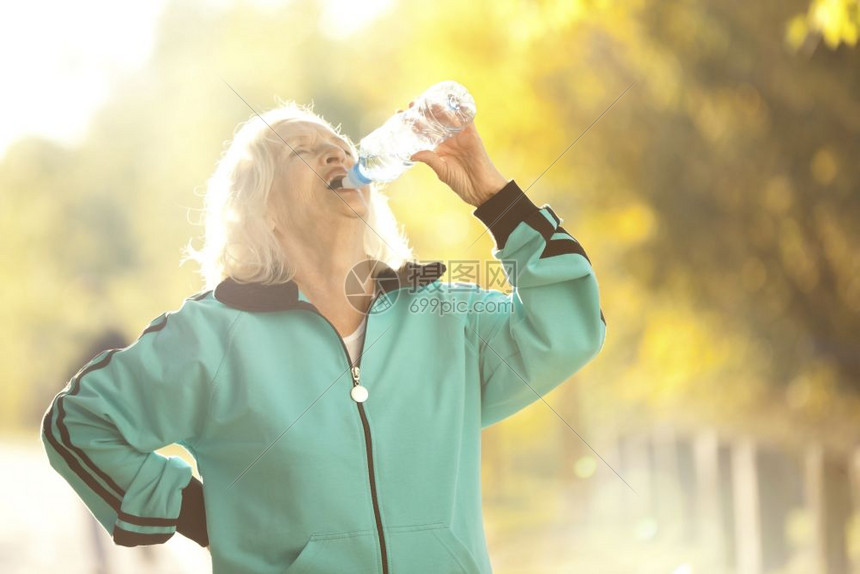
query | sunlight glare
(59,59)
(345,17)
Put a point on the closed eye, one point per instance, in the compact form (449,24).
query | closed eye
(298,151)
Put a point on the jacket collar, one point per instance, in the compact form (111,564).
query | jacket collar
(285,296)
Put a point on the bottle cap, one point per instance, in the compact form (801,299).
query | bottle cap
(354,178)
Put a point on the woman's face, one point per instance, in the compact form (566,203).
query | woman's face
(315,156)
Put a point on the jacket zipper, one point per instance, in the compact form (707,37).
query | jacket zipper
(382,549)
(356,380)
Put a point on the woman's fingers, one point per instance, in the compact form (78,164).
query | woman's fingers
(436,163)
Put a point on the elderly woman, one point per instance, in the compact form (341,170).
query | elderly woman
(331,392)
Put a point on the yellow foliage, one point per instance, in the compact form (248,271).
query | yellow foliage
(837,21)
(541,72)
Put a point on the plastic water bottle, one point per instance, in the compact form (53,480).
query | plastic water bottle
(383,155)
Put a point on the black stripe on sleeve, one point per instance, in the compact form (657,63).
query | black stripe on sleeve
(127,538)
(64,431)
(554,216)
(539,223)
(554,246)
(73,463)
(113,499)
(561,246)
(557,246)
(76,386)
(155,325)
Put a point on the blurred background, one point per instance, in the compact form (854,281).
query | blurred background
(717,199)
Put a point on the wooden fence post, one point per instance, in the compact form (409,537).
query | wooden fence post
(829,500)
(667,483)
(747,507)
(713,515)
(638,472)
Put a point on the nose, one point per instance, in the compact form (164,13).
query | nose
(334,155)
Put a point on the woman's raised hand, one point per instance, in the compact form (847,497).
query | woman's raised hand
(463,164)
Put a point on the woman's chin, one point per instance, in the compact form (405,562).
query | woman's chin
(352,201)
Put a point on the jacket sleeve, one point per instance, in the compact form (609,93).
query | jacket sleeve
(551,325)
(100,432)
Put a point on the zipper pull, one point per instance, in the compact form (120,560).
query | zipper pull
(358,393)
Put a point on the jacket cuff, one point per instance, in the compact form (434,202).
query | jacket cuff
(123,537)
(504,211)
(192,515)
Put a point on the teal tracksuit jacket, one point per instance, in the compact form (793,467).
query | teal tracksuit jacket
(298,475)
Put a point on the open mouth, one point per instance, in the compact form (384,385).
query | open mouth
(336,184)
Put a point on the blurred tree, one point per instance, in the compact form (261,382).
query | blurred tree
(717,199)
(757,216)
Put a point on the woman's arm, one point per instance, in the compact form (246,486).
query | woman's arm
(102,429)
(552,324)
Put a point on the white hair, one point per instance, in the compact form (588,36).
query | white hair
(239,241)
